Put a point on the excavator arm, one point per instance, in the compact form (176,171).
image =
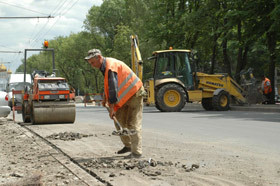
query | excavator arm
(136,59)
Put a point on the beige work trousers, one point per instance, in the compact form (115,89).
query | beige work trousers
(130,116)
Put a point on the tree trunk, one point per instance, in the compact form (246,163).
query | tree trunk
(182,5)
(271,45)
(225,56)
(240,50)
(244,57)
(225,42)
(214,53)
(194,39)
(213,60)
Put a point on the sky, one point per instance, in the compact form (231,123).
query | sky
(19,34)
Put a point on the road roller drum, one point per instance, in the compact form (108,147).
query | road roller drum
(53,112)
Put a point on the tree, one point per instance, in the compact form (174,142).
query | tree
(229,36)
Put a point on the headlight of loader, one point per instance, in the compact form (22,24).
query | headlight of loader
(47,97)
(61,96)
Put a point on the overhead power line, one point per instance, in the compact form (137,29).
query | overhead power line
(59,7)
(31,17)
(61,11)
(22,7)
(2,51)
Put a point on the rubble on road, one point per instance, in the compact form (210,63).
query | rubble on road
(148,167)
(68,136)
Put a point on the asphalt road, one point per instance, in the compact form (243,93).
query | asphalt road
(259,130)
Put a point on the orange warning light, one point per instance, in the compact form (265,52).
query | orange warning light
(46,44)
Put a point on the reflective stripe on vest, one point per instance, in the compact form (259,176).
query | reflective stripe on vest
(129,87)
(128,82)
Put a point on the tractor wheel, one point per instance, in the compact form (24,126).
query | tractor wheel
(158,107)
(171,98)
(207,104)
(221,101)
(25,113)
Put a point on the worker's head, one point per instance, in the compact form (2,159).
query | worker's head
(94,58)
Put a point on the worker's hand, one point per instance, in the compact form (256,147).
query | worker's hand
(104,103)
(112,112)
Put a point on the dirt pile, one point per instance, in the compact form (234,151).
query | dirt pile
(148,167)
(67,136)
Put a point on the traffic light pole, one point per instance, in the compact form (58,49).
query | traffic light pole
(25,55)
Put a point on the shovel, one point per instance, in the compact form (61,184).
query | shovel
(121,131)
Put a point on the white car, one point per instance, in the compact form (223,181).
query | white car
(16,82)
(4,108)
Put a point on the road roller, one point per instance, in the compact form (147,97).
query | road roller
(49,99)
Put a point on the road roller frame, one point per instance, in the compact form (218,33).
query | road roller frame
(49,99)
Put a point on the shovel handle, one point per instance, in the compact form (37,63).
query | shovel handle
(114,118)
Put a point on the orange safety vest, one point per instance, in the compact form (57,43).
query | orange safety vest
(267,86)
(128,82)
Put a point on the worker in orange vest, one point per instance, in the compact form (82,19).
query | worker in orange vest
(266,89)
(124,94)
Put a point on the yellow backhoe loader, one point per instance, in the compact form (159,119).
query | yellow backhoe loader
(174,83)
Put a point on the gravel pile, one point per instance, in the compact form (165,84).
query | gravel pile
(68,136)
(148,167)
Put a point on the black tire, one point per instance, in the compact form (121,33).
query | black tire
(171,98)
(25,114)
(207,104)
(221,101)
(158,107)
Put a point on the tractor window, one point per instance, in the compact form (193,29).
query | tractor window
(174,65)
(53,85)
(179,62)
(164,65)
(182,67)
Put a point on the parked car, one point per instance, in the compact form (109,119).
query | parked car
(4,108)
(16,82)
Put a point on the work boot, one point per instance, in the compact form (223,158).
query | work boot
(124,150)
(133,155)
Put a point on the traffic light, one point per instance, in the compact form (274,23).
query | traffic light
(46,44)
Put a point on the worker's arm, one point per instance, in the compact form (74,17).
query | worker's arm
(113,91)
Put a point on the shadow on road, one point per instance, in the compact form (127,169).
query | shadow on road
(254,116)
(201,113)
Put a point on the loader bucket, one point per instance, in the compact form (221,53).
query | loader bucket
(53,112)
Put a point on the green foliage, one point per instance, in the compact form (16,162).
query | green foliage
(121,45)
(236,34)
